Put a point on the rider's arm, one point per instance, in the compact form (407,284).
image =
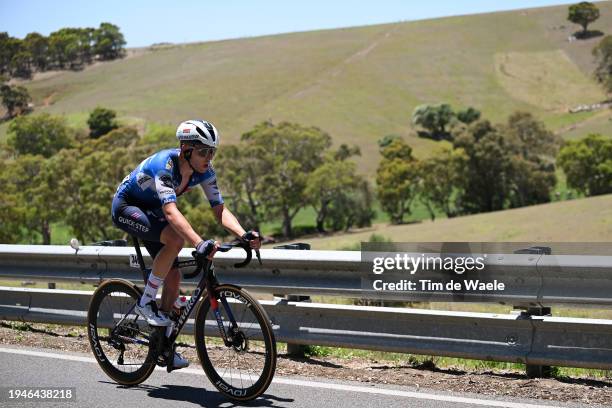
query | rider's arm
(180,224)
(167,196)
(228,220)
(224,215)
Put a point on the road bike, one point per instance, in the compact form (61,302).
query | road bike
(233,334)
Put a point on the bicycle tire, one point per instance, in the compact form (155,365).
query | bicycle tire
(210,349)
(125,292)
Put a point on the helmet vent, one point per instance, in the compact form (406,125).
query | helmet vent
(210,130)
(204,135)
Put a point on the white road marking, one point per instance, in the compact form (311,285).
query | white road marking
(314,384)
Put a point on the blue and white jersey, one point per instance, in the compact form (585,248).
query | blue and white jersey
(155,181)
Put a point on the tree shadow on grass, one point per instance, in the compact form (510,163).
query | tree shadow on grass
(435,136)
(586,35)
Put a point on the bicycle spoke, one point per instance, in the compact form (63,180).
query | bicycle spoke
(122,345)
(246,361)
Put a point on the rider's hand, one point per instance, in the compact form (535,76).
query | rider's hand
(206,249)
(253,239)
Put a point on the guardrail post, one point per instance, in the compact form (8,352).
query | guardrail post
(536,371)
(295,350)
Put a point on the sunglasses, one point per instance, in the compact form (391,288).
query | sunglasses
(206,152)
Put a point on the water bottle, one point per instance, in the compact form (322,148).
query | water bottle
(177,308)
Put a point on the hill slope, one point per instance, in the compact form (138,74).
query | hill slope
(583,220)
(359,83)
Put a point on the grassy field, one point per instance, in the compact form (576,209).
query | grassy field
(358,84)
(580,220)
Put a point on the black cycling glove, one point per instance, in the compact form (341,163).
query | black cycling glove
(204,248)
(250,235)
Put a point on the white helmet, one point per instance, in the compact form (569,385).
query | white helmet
(198,131)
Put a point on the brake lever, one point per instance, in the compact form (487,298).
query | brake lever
(258,256)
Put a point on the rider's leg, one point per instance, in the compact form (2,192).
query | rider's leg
(173,243)
(171,289)
(162,263)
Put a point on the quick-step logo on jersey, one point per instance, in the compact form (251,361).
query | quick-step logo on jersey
(133,224)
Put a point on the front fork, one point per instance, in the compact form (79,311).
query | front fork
(214,304)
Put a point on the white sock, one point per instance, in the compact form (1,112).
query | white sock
(150,292)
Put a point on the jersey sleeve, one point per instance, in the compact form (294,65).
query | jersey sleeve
(211,189)
(164,188)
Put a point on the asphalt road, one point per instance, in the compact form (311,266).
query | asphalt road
(25,368)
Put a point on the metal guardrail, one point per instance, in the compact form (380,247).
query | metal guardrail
(532,340)
(532,281)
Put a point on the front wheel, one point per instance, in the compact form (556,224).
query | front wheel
(241,368)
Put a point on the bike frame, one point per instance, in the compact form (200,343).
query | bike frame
(208,282)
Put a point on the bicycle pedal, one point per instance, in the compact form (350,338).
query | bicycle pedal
(169,360)
(161,361)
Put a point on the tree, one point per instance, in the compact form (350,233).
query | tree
(583,13)
(344,152)
(287,154)
(20,66)
(468,115)
(486,186)
(9,46)
(39,134)
(397,178)
(37,213)
(603,55)
(329,183)
(108,42)
(70,47)
(352,208)
(241,183)
(533,164)
(340,197)
(38,47)
(531,181)
(397,149)
(101,121)
(89,177)
(15,99)
(434,118)
(5,52)
(12,208)
(386,140)
(33,202)
(530,136)
(441,176)
(587,164)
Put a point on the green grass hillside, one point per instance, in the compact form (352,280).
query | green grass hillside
(357,83)
(582,220)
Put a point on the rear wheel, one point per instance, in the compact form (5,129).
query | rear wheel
(243,368)
(118,337)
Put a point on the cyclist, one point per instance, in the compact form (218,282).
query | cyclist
(145,206)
